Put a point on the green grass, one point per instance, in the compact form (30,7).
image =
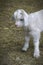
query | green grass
(12,38)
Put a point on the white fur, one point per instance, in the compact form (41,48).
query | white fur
(33,26)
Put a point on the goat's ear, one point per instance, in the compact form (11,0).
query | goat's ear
(24,12)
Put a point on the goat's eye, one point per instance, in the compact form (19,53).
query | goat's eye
(21,19)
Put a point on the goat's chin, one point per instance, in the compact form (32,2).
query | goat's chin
(18,26)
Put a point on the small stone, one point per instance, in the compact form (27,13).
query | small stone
(17,59)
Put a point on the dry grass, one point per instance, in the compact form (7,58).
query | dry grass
(12,38)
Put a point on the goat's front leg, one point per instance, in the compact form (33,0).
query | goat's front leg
(26,44)
(36,44)
(27,38)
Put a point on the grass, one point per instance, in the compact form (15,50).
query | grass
(12,38)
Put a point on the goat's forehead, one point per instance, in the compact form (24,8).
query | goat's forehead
(19,11)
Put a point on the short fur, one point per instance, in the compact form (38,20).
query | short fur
(32,22)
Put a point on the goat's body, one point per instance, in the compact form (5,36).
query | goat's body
(35,21)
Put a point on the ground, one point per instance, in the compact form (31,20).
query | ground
(12,38)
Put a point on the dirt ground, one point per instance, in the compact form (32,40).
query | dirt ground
(12,38)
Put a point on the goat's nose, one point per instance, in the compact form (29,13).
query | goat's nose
(15,24)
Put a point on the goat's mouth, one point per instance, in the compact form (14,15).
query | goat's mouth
(18,26)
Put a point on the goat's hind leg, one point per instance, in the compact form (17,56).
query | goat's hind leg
(36,44)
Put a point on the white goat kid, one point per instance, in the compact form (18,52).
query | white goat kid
(33,26)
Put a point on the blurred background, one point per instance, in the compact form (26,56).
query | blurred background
(12,38)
